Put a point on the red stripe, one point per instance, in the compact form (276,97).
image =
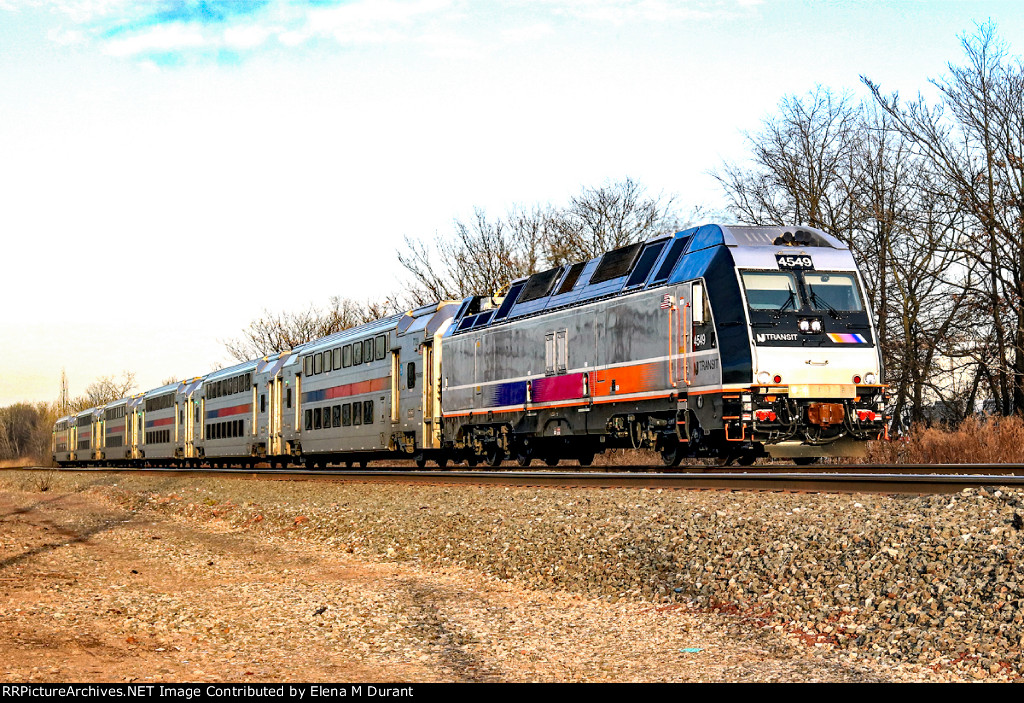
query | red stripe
(233,410)
(375,384)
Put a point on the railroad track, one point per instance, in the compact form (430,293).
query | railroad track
(905,479)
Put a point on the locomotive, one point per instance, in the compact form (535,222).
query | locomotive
(728,342)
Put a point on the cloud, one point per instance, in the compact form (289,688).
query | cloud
(195,30)
(179,32)
(620,12)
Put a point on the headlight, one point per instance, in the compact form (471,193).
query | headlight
(804,326)
(815,326)
(871,378)
(763,378)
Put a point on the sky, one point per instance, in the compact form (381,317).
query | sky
(169,169)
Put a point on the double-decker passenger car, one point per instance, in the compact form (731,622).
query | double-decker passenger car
(371,391)
(116,437)
(158,423)
(227,402)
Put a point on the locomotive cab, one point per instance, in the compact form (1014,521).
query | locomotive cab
(815,368)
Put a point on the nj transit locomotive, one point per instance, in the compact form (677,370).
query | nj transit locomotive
(727,342)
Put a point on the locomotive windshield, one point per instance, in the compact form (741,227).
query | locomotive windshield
(832,291)
(771,291)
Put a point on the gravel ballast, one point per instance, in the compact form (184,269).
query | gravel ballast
(931,582)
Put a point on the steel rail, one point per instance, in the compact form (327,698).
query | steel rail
(863,480)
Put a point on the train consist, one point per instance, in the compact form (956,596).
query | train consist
(728,342)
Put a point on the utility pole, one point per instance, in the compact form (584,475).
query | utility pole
(64,402)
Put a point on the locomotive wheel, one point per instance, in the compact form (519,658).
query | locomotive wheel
(806,460)
(421,460)
(586,459)
(441,461)
(671,455)
(524,458)
(746,459)
(495,456)
(551,461)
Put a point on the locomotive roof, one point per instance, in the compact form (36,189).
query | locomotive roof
(750,236)
(655,262)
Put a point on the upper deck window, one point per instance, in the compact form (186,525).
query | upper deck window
(771,291)
(832,291)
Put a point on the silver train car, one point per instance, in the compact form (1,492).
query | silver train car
(726,342)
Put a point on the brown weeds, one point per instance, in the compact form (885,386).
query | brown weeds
(977,441)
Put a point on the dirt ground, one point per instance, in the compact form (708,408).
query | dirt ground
(94,592)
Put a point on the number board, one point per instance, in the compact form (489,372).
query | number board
(794,261)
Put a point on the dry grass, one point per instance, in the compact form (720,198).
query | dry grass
(986,441)
(627,457)
(21,463)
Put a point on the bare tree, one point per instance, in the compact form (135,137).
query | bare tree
(605,218)
(483,255)
(803,159)
(827,162)
(973,143)
(274,332)
(103,390)
(25,430)
(479,258)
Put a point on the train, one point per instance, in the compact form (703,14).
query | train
(720,342)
